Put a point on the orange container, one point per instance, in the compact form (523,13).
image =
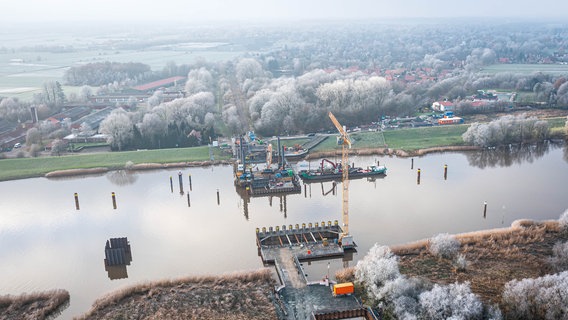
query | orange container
(343,288)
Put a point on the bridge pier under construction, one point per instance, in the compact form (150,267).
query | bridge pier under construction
(286,247)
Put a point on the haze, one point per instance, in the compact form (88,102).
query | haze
(26,11)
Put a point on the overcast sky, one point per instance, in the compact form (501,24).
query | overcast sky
(271,10)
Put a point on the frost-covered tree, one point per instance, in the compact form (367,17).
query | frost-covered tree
(273,109)
(453,301)
(563,221)
(118,128)
(505,130)
(199,80)
(153,128)
(377,268)
(541,298)
(559,259)
(249,68)
(156,98)
(13,110)
(232,120)
(198,105)
(85,130)
(444,245)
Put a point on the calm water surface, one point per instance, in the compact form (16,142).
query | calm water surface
(45,243)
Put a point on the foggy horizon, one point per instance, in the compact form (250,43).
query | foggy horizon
(175,11)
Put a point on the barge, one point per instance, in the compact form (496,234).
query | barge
(336,172)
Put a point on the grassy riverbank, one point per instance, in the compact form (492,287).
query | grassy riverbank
(409,141)
(34,167)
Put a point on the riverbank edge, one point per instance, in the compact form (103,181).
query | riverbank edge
(135,167)
(239,295)
(314,155)
(391,152)
(469,237)
(36,305)
(474,236)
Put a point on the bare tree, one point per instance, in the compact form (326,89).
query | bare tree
(33,136)
(57,147)
(86,93)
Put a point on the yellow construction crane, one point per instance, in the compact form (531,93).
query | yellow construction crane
(345,239)
(269,155)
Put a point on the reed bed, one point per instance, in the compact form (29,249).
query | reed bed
(494,257)
(245,295)
(36,306)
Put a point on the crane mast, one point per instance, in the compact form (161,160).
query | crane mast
(269,155)
(345,239)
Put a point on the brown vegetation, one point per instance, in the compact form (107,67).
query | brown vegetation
(237,296)
(390,152)
(494,258)
(39,305)
(141,166)
(153,166)
(74,172)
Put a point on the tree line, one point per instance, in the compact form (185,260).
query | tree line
(102,73)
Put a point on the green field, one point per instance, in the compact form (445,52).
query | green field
(555,69)
(33,167)
(420,138)
(23,79)
(407,139)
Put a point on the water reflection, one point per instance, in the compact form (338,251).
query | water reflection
(332,189)
(509,155)
(246,200)
(117,256)
(122,177)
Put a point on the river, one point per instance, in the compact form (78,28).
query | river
(46,243)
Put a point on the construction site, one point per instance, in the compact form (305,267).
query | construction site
(287,247)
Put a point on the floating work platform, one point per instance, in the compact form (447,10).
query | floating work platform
(286,188)
(307,242)
(267,181)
